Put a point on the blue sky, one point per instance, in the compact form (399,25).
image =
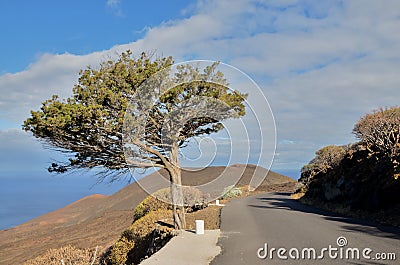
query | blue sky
(31,28)
(321,64)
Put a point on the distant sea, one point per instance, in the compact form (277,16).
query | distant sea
(25,198)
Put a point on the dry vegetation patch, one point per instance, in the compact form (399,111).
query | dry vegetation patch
(211,216)
(67,255)
(144,237)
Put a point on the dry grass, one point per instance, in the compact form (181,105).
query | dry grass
(211,216)
(280,187)
(297,196)
(67,255)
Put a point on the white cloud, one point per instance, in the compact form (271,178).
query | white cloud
(113,3)
(51,74)
(321,65)
(115,6)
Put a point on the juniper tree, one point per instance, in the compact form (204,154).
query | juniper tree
(96,128)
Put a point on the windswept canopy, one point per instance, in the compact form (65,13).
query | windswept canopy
(90,124)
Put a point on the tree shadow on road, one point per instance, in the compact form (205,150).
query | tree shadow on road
(282,201)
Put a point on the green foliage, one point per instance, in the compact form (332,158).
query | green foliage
(89,124)
(231,192)
(192,102)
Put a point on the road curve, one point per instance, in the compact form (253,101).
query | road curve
(272,220)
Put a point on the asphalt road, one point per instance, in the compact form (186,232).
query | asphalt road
(273,220)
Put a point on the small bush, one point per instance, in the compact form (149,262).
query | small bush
(193,199)
(380,131)
(191,196)
(136,240)
(231,192)
(326,158)
(67,255)
(118,253)
(151,203)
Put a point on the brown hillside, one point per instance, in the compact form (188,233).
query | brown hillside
(98,220)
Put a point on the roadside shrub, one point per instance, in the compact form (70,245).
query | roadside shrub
(119,251)
(361,176)
(231,192)
(325,159)
(380,131)
(150,203)
(67,255)
(134,243)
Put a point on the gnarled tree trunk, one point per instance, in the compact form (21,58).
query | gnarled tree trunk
(176,190)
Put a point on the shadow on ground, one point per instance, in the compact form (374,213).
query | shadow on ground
(284,202)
